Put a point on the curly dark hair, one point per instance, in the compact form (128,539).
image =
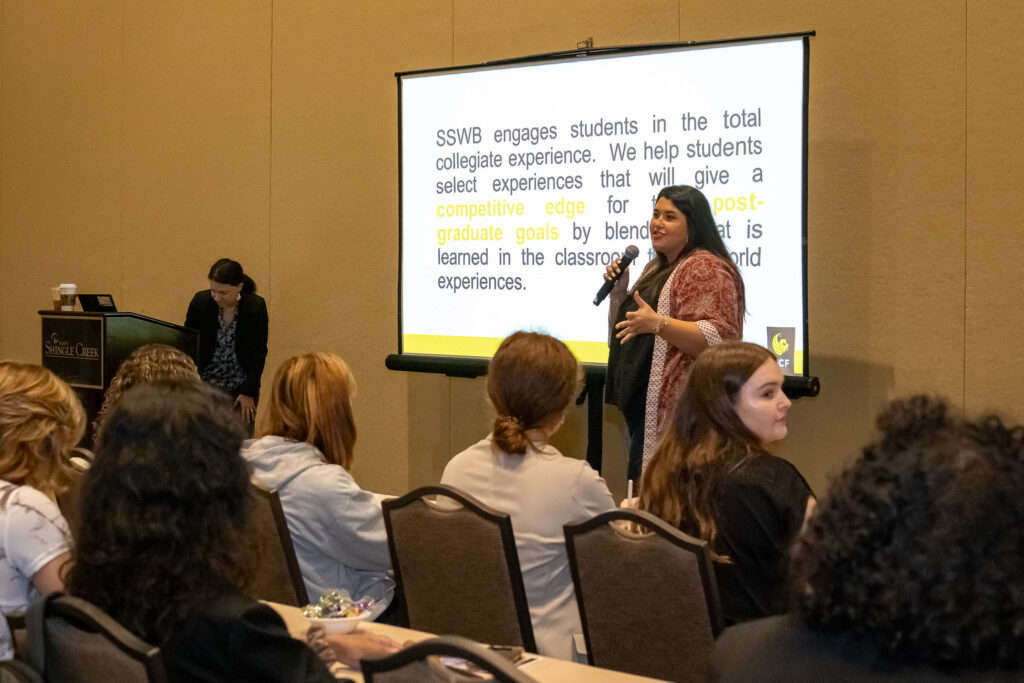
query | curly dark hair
(164,507)
(919,545)
(145,364)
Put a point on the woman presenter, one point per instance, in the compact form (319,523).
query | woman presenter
(690,296)
(232,323)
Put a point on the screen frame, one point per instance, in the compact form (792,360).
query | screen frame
(466,366)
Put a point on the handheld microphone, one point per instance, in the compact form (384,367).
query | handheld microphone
(628,255)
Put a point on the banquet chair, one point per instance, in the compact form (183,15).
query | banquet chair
(13,671)
(647,595)
(277,577)
(420,663)
(73,641)
(456,567)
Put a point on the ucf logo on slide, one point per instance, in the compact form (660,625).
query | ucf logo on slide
(780,341)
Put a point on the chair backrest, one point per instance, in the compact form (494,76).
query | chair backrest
(412,665)
(647,595)
(277,578)
(73,641)
(14,671)
(456,567)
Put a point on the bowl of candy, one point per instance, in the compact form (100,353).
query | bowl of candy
(337,612)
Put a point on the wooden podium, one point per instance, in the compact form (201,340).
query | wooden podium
(85,349)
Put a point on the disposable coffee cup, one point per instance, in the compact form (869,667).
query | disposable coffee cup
(55,297)
(67,296)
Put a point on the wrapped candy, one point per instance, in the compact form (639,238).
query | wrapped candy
(336,604)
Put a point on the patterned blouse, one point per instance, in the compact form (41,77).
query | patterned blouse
(707,291)
(224,370)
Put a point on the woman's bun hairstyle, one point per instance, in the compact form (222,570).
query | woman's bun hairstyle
(531,381)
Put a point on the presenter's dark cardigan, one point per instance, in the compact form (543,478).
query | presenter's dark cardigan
(250,336)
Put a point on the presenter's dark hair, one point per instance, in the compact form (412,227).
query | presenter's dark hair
(228,272)
(701,229)
(531,381)
(164,508)
(919,546)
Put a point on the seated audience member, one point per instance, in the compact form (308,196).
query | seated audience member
(712,477)
(532,382)
(912,567)
(145,364)
(304,452)
(41,420)
(165,511)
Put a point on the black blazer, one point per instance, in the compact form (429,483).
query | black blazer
(250,335)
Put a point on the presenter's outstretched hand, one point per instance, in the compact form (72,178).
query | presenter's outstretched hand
(246,406)
(641,321)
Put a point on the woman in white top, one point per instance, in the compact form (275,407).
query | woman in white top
(304,452)
(41,420)
(532,382)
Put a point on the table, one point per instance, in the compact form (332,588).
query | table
(544,669)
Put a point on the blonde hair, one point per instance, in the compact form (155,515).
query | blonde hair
(41,420)
(145,364)
(311,401)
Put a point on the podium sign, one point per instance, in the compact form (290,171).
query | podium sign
(73,349)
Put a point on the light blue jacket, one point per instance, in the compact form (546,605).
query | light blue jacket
(336,527)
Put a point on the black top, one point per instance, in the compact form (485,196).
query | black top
(780,650)
(235,638)
(759,510)
(629,367)
(250,335)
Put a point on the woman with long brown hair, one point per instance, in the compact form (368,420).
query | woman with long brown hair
(712,476)
(532,382)
(305,450)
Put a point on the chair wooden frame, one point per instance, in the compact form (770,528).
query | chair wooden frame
(88,617)
(272,499)
(448,646)
(500,519)
(656,526)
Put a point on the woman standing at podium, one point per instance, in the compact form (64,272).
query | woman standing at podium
(232,323)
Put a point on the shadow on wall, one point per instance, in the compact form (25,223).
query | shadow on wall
(446,415)
(825,432)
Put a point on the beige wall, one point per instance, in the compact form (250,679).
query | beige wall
(140,141)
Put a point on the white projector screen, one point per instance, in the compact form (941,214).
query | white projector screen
(521,181)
